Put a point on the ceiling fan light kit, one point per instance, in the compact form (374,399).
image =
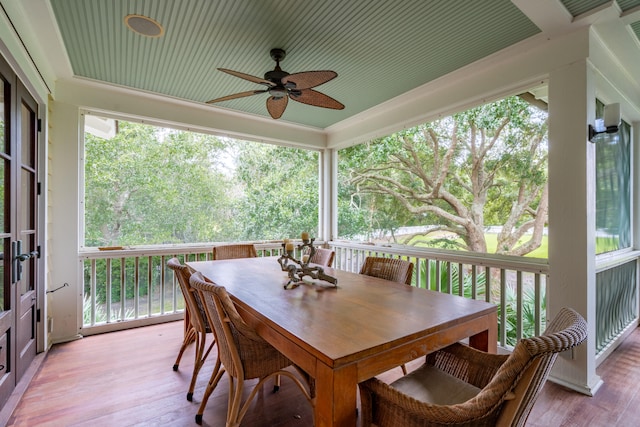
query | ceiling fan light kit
(282,86)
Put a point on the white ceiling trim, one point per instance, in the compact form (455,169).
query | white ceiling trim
(631,16)
(507,72)
(13,50)
(615,83)
(92,95)
(34,21)
(549,15)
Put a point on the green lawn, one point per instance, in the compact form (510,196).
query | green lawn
(541,252)
(603,245)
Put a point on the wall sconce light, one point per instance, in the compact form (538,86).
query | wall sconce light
(611,121)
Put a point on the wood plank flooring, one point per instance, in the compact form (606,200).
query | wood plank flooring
(126,379)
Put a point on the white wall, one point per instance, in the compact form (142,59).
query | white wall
(65,305)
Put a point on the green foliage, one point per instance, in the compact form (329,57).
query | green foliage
(280,194)
(448,280)
(528,313)
(112,283)
(149,185)
(483,166)
(362,213)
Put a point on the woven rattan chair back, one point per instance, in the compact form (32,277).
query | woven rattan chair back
(196,322)
(193,304)
(567,330)
(396,270)
(243,353)
(323,257)
(234,251)
(508,385)
(230,329)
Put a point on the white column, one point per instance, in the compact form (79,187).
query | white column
(327,211)
(333,211)
(572,216)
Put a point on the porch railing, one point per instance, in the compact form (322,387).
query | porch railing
(134,285)
(616,301)
(516,285)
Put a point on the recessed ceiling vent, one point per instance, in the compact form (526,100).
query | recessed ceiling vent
(144,25)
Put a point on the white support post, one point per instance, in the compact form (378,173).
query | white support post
(328,197)
(572,216)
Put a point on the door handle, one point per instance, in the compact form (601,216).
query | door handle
(24,257)
(19,258)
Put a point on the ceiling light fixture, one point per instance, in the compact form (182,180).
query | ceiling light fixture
(144,25)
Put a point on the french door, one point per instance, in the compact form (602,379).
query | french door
(19,191)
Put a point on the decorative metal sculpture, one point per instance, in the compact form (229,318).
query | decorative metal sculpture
(297,269)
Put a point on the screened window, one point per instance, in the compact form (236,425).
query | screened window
(147,185)
(474,181)
(613,191)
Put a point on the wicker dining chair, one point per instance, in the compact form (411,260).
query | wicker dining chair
(394,269)
(244,354)
(196,323)
(234,251)
(461,386)
(323,257)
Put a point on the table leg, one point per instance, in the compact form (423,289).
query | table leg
(486,340)
(336,396)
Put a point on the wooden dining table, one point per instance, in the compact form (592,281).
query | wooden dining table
(342,336)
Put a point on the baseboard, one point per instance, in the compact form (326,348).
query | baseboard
(66,339)
(589,389)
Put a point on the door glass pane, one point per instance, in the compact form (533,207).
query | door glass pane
(27,195)
(4,110)
(4,290)
(28,137)
(4,195)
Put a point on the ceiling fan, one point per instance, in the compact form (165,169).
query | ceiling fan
(282,86)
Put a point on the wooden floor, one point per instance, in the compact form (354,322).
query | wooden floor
(126,379)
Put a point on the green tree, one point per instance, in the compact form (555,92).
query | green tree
(149,185)
(279,187)
(487,163)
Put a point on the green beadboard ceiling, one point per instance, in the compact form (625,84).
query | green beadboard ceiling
(578,7)
(379,48)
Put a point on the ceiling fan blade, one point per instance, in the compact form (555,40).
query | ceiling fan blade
(315,98)
(247,77)
(276,106)
(309,79)
(236,96)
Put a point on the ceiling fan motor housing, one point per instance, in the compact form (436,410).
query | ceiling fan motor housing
(277,74)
